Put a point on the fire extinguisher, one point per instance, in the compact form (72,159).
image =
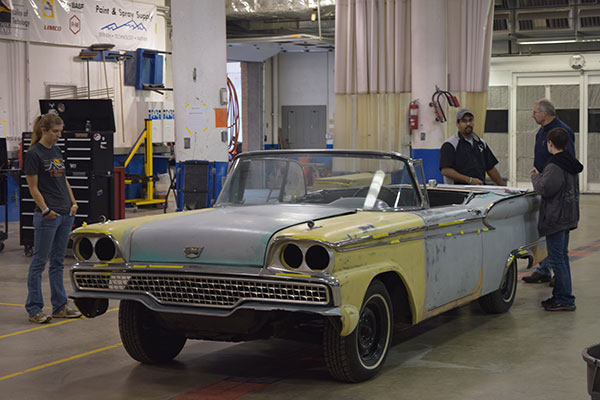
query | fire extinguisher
(413,115)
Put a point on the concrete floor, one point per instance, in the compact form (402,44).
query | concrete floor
(526,353)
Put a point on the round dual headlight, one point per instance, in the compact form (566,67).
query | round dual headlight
(84,249)
(316,257)
(105,249)
(292,256)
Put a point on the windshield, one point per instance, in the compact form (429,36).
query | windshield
(366,181)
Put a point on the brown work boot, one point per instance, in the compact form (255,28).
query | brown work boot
(536,278)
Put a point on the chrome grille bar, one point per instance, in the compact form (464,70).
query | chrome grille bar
(203,290)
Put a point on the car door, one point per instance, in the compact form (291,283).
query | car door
(453,254)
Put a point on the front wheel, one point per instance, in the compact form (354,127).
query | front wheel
(500,301)
(360,355)
(144,338)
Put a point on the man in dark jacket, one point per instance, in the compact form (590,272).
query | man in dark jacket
(544,115)
(465,158)
(559,213)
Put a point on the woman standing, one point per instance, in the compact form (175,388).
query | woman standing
(52,220)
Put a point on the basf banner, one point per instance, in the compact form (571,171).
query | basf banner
(126,24)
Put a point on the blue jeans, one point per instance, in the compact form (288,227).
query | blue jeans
(545,268)
(51,237)
(558,258)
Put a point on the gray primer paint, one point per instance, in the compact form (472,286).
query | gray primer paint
(227,235)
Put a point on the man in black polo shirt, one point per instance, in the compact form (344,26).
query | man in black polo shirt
(465,158)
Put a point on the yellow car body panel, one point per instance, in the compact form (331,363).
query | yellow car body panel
(396,245)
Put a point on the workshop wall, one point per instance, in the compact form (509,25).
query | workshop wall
(306,79)
(571,81)
(29,69)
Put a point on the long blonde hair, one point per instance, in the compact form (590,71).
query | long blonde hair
(46,121)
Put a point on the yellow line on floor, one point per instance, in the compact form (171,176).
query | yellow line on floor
(44,326)
(59,361)
(39,327)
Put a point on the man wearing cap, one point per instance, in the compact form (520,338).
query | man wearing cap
(465,157)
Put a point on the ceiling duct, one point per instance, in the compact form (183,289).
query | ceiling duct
(502,25)
(547,22)
(259,9)
(542,3)
(589,19)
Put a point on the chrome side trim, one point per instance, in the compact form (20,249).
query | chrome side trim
(357,243)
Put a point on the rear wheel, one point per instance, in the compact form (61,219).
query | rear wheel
(144,338)
(501,300)
(360,355)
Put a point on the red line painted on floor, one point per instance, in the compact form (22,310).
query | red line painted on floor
(580,253)
(575,254)
(224,390)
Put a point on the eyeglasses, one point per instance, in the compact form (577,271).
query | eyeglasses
(537,112)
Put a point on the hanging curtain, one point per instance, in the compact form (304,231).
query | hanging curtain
(469,44)
(373,70)
(17,120)
(372,74)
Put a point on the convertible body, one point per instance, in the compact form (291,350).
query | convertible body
(353,242)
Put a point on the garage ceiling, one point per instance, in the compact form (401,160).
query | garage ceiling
(520,26)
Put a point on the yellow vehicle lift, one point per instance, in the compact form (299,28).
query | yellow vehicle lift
(146,138)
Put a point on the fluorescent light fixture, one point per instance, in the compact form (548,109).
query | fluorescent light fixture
(558,40)
(546,41)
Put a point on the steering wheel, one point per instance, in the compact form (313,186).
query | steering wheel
(385,194)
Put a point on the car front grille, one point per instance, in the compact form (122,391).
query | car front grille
(203,290)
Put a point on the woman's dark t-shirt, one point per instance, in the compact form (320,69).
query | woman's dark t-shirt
(49,166)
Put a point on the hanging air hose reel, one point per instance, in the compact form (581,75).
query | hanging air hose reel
(437,107)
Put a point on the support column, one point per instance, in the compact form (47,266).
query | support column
(199,74)
(428,43)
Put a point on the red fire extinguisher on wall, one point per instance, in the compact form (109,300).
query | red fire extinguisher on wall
(413,115)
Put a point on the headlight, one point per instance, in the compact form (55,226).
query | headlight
(317,257)
(301,256)
(292,256)
(95,247)
(105,249)
(84,249)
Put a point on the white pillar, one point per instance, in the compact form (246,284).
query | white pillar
(428,62)
(199,73)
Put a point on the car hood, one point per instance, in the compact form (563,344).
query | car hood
(224,236)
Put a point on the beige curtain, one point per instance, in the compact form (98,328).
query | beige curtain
(373,69)
(469,44)
(372,74)
(372,121)
(17,121)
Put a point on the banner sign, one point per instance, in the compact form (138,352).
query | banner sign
(126,24)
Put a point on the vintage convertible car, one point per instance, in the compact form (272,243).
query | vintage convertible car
(347,243)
